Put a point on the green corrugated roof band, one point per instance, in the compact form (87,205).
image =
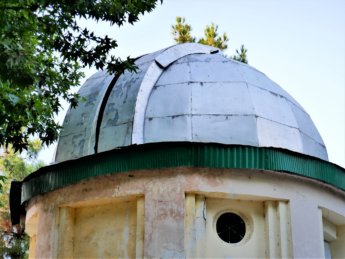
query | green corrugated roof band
(169,155)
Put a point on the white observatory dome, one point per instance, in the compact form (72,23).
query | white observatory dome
(190,93)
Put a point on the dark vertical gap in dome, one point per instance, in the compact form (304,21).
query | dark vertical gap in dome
(102,108)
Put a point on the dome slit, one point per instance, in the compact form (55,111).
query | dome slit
(102,109)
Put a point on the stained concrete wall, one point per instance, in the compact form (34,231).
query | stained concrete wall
(283,209)
(98,231)
(203,240)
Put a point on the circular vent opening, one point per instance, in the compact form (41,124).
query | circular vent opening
(231,228)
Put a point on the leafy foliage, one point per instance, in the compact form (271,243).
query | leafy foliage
(212,37)
(14,243)
(42,49)
(181,32)
(241,55)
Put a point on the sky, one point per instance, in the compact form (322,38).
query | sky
(298,44)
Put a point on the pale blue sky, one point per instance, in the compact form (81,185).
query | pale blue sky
(298,44)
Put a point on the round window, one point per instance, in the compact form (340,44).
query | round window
(231,228)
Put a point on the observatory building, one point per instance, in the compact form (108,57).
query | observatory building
(194,155)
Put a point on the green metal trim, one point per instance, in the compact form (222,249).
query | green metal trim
(177,154)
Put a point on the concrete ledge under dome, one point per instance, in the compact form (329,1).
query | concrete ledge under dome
(170,155)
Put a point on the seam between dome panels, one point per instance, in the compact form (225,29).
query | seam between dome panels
(152,75)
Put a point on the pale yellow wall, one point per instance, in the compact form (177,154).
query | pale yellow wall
(338,245)
(65,220)
(105,231)
(163,209)
(268,232)
(31,229)
(108,230)
(334,232)
(278,229)
(32,247)
(252,245)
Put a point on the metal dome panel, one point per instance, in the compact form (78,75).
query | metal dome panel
(225,98)
(237,130)
(272,107)
(117,123)
(77,137)
(188,92)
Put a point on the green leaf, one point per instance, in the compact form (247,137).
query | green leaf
(42,50)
